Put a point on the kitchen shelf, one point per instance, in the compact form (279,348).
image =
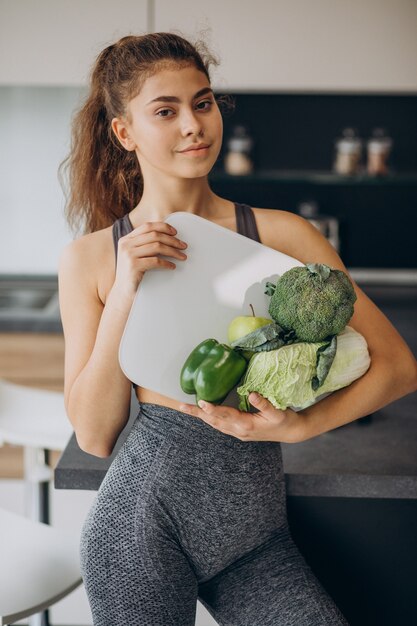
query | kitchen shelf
(317,177)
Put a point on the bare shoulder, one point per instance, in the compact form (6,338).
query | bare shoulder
(91,259)
(292,234)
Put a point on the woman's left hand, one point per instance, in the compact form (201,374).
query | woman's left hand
(269,424)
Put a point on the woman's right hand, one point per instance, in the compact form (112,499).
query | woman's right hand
(139,251)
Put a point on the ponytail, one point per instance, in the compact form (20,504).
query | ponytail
(104,180)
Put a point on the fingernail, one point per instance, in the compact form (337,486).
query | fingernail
(254,397)
(201,404)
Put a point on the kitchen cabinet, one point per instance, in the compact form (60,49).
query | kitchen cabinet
(299,46)
(32,359)
(262,45)
(55,43)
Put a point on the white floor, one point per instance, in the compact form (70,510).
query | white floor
(68,511)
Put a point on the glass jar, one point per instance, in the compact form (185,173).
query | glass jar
(238,160)
(378,149)
(348,153)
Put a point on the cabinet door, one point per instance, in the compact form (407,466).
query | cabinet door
(276,45)
(55,42)
(33,359)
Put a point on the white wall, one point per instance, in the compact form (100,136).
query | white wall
(34,138)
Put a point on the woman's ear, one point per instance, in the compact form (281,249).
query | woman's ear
(121,131)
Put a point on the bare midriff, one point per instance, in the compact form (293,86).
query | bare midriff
(147,395)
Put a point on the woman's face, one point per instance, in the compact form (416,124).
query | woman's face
(175,110)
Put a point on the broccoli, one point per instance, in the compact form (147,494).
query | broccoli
(315,301)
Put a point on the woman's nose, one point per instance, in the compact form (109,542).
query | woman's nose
(190,124)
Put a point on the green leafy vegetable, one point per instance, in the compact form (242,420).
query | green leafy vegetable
(325,357)
(285,376)
(268,337)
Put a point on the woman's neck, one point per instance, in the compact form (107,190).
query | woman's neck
(157,204)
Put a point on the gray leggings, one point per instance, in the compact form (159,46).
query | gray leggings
(187,512)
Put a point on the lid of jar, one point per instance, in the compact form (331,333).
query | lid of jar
(240,144)
(240,141)
(349,142)
(348,146)
(380,140)
(379,144)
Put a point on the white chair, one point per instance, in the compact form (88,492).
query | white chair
(39,566)
(36,420)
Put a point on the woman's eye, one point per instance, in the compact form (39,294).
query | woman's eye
(201,106)
(164,111)
(209,102)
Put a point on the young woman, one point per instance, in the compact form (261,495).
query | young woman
(194,504)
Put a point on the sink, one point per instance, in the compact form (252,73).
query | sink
(29,303)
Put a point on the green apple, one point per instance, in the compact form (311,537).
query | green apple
(245,324)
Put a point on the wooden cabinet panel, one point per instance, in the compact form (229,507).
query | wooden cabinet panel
(33,359)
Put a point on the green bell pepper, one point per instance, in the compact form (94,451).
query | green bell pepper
(212,370)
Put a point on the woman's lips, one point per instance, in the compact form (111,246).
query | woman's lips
(196,151)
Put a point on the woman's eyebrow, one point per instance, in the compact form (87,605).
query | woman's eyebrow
(175,99)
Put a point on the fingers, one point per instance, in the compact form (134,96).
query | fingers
(260,403)
(152,231)
(146,244)
(148,227)
(155,236)
(225,419)
(158,247)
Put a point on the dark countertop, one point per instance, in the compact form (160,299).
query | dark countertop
(363,459)
(25,325)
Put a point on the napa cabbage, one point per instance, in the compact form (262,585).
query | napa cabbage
(284,376)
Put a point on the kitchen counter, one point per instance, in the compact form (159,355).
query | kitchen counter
(373,457)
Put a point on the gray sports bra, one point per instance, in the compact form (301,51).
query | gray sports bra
(245,223)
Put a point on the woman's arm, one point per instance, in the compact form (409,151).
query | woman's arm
(97,393)
(393,370)
(391,375)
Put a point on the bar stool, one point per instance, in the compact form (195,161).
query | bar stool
(36,420)
(40,565)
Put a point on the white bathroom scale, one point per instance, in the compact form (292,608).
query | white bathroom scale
(174,310)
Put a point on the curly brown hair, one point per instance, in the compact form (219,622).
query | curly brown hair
(104,180)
